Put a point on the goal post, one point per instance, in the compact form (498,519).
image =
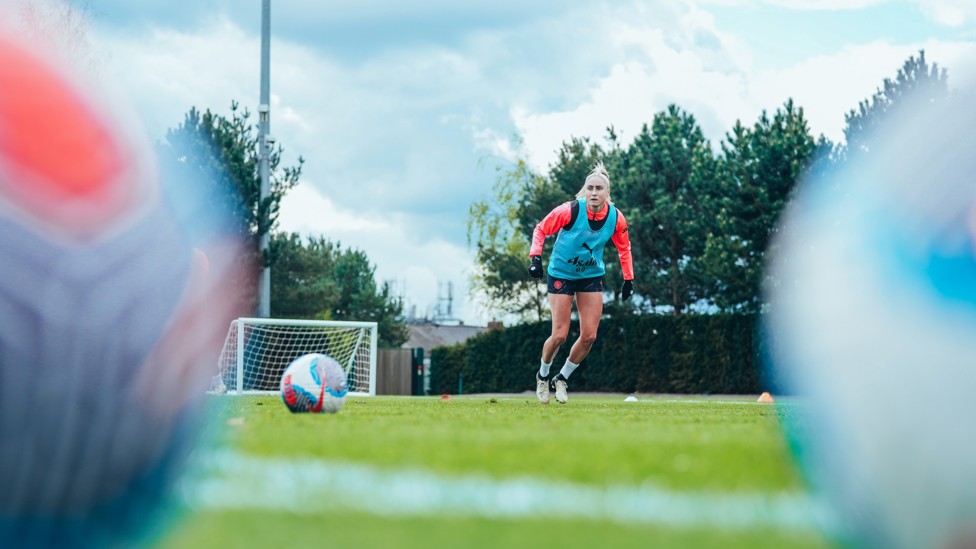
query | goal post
(257,350)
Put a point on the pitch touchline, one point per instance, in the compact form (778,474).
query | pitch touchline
(234,481)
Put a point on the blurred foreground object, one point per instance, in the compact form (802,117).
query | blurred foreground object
(112,313)
(873,325)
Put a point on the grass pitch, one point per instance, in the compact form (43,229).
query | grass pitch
(481,471)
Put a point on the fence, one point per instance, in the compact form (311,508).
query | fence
(399,372)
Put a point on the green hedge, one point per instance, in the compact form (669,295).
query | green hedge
(444,379)
(692,354)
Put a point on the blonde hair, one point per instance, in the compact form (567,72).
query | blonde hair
(599,171)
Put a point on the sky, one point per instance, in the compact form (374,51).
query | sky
(405,112)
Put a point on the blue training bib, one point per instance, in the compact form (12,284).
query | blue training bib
(578,251)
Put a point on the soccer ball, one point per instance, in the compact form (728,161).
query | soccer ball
(872,315)
(314,383)
(89,233)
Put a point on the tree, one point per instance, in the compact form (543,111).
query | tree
(317,279)
(916,80)
(758,171)
(219,155)
(222,153)
(664,173)
(303,284)
(502,245)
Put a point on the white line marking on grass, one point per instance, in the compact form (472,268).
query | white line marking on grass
(704,401)
(235,481)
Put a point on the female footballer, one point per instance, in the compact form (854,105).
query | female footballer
(582,228)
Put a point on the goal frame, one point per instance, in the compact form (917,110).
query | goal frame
(250,321)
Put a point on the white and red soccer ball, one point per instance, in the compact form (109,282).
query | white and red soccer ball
(314,383)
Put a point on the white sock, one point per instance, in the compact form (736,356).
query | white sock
(544,369)
(568,369)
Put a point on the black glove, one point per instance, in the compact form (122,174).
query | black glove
(535,269)
(627,290)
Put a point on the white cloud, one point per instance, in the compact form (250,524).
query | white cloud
(800,4)
(487,139)
(855,73)
(825,4)
(304,210)
(166,72)
(289,115)
(952,13)
(719,85)
(659,68)
(674,54)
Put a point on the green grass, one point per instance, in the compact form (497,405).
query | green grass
(702,446)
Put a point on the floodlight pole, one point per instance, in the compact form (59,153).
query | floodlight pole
(264,153)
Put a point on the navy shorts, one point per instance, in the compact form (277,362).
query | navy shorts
(572,286)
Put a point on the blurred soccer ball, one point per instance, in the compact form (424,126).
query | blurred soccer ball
(109,320)
(314,383)
(873,318)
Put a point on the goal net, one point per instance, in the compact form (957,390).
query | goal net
(257,351)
